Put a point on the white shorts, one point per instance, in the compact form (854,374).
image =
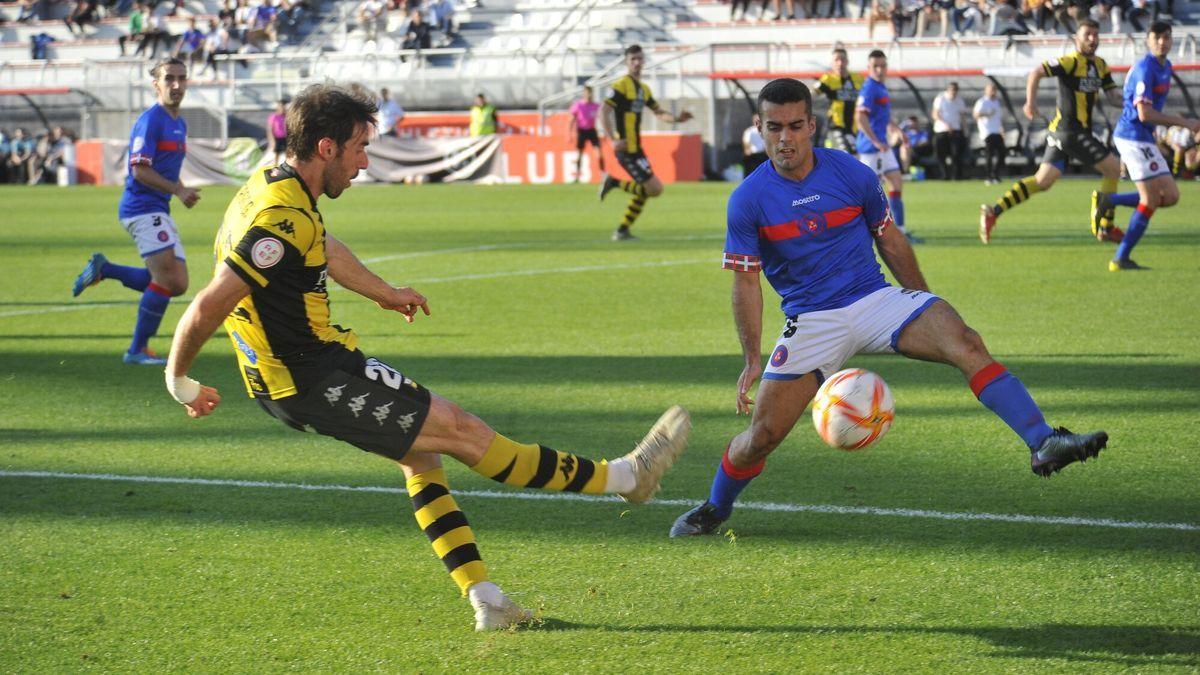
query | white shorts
(1143,160)
(881,162)
(823,341)
(154,233)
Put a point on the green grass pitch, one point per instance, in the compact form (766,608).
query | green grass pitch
(555,335)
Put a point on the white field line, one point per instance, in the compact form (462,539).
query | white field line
(417,254)
(561,496)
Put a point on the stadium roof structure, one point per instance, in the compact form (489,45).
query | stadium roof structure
(40,99)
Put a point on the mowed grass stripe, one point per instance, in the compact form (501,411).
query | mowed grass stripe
(561,496)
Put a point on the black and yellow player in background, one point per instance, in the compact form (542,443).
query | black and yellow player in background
(621,120)
(274,256)
(841,87)
(1082,77)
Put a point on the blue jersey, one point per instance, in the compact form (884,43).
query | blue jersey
(873,98)
(811,238)
(160,142)
(1147,82)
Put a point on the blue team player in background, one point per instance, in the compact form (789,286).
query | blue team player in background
(157,146)
(1146,88)
(874,113)
(811,220)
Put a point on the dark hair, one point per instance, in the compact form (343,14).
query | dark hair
(1088,23)
(785,90)
(325,111)
(952,84)
(633,49)
(1159,27)
(840,50)
(163,63)
(876,54)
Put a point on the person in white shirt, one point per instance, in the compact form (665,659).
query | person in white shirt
(754,150)
(370,15)
(988,119)
(390,113)
(948,140)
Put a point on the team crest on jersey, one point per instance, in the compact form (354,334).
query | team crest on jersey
(266,252)
(138,144)
(334,394)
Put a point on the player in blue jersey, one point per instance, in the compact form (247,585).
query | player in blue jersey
(874,114)
(811,220)
(157,145)
(1146,89)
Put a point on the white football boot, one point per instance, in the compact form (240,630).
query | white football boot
(657,452)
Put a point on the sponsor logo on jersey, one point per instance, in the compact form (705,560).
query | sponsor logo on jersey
(246,349)
(805,200)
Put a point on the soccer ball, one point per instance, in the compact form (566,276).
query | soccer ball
(853,409)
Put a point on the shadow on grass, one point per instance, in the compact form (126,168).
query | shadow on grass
(1128,645)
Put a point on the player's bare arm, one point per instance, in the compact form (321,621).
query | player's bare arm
(864,125)
(1031,84)
(1148,114)
(346,269)
(608,123)
(664,116)
(897,254)
(146,175)
(201,319)
(747,318)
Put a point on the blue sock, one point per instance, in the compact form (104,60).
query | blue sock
(135,278)
(1004,395)
(729,483)
(1138,222)
(896,204)
(1125,198)
(150,313)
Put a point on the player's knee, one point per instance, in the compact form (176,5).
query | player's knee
(654,189)
(1169,197)
(763,439)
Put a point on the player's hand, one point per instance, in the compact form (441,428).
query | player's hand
(203,404)
(406,301)
(745,383)
(1030,109)
(881,146)
(189,196)
(619,145)
(683,116)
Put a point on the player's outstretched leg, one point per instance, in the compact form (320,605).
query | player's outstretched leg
(1018,193)
(98,268)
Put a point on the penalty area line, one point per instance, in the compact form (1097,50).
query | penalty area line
(561,496)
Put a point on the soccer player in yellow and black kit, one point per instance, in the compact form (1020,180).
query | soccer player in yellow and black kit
(621,120)
(1082,76)
(274,257)
(841,87)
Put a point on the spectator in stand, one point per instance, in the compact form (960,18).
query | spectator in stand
(28,11)
(442,17)
(39,46)
(370,15)
(948,140)
(35,166)
(83,14)
(1007,20)
(264,26)
(217,42)
(989,120)
(156,34)
(778,14)
(583,128)
(733,8)
(137,26)
(390,113)
(417,36)
(912,143)
(20,152)
(5,148)
(60,156)
(277,131)
(190,46)
(754,150)
(965,16)
(225,16)
(243,18)
(837,9)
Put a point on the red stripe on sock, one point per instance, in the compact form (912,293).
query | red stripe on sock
(153,287)
(893,195)
(986,376)
(740,474)
(1145,210)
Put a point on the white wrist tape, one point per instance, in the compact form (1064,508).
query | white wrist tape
(183,389)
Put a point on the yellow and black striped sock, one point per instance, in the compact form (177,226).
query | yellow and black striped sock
(536,466)
(1019,192)
(1177,164)
(635,189)
(632,211)
(447,528)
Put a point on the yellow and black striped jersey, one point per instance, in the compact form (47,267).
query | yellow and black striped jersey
(274,239)
(842,94)
(1080,80)
(628,98)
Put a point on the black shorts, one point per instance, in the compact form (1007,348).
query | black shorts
(369,405)
(585,136)
(1081,146)
(837,138)
(281,145)
(636,165)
